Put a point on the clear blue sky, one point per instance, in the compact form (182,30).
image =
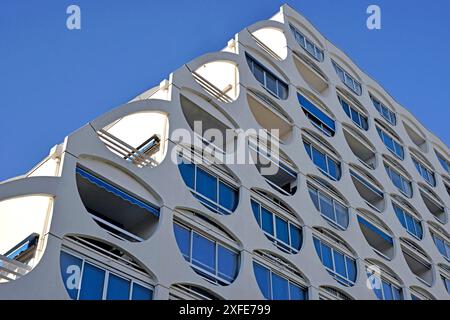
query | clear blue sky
(52,81)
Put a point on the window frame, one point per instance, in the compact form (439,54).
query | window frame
(349,113)
(327,157)
(297,34)
(384,135)
(403,179)
(392,118)
(425,171)
(344,76)
(414,218)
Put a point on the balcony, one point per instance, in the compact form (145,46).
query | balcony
(310,72)
(419,263)
(433,203)
(377,235)
(361,147)
(122,214)
(368,190)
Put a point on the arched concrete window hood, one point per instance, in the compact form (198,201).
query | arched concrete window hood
(273,41)
(140,138)
(116,201)
(23,234)
(220,79)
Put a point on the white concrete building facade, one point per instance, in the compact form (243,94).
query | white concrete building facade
(357,208)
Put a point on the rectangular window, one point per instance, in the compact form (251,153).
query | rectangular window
(262,275)
(444,163)
(391,144)
(347,79)
(118,288)
(307,44)
(92,283)
(384,111)
(410,223)
(203,253)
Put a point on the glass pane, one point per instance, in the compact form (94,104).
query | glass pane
(326,207)
(341,215)
(440,245)
(387,291)
(228,264)
(227,196)
(280,288)
(256,213)
(141,293)
(317,246)
(351,269)
(206,185)
(339,264)
(397,293)
(327,259)
(204,253)
(267,221)
(183,238)
(282,90)
(400,216)
(296,237)
(418,226)
(314,197)
(259,73)
(319,160)
(92,283)
(410,224)
(118,288)
(71,273)
(389,143)
(333,169)
(355,117)
(271,83)
(296,292)
(282,230)
(187,173)
(262,275)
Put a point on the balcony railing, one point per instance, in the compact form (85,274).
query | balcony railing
(140,156)
(221,95)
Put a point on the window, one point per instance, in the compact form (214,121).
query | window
(328,165)
(444,162)
(392,144)
(317,117)
(347,79)
(377,237)
(446,283)
(98,282)
(402,183)
(212,260)
(211,190)
(384,111)
(356,116)
(333,210)
(285,234)
(411,223)
(275,286)
(442,244)
(367,189)
(384,287)
(267,79)
(425,172)
(307,44)
(339,265)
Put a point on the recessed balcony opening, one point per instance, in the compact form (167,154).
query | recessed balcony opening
(385,284)
(140,138)
(419,263)
(331,293)
(317,113)
(368,189)
(311,73)
(377,234)
(273,84)
(433,203)
(361,147)
(272,41)
(114,208)
(23,234)
(420,294)
(277,278)
(441,239)
(277,221)
(207,247)
(220,79)
(212,128)
(278,170)
(190,292)
(92,269)
(323,155)
(269,115)
(416,135)
(329,202)
(336,256)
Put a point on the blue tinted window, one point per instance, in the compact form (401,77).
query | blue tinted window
(297,293)
(351,268)
(282,230)
(187,171)
(256,212)
(227,196)
(262,275)
(141,293)
(317,246)
(118,288)
(314,197)
(203,253)
(387,292)
(296,237)
(183,238)
(267,221)
(92,283)
(280,288)
(397,293)
(444,163)
(384,111)
(326,206)
(327,259)
(228,263)
(71,272)
(206,184)
(341,215)
(319,159)
(323,121)
(339,264)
